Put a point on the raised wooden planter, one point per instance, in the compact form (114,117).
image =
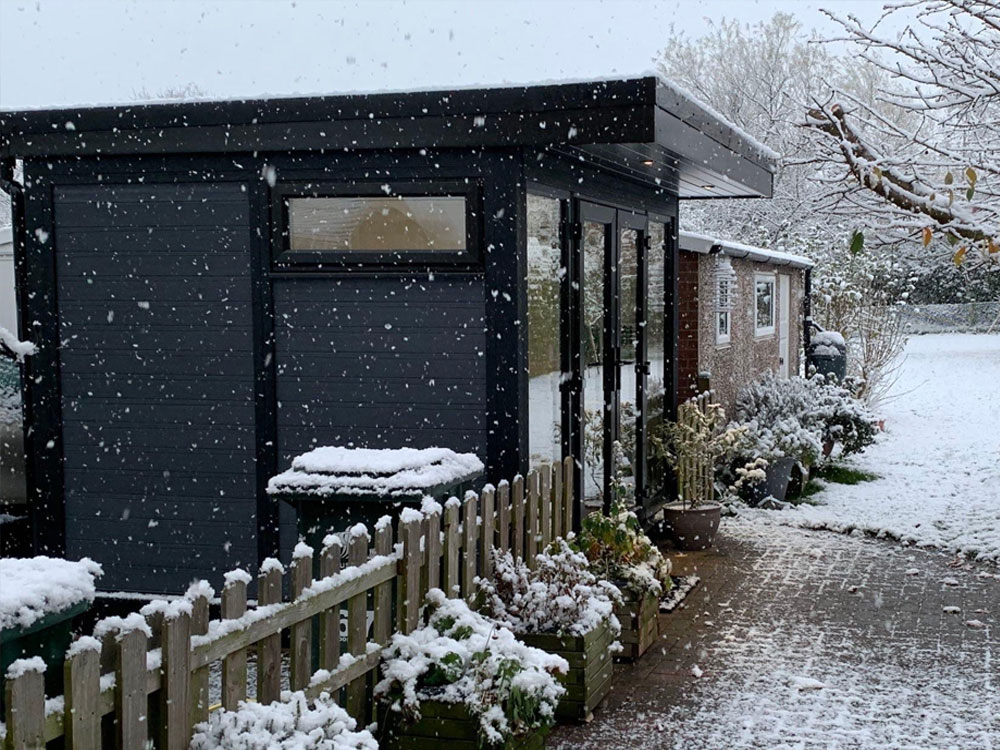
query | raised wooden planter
(590,669)
(446,724)
(640,626)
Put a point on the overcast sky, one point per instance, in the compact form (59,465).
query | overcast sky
(66,52)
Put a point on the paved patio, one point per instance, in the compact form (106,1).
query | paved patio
(809,639)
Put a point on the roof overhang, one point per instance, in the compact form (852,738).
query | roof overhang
(643,127)
(706,244)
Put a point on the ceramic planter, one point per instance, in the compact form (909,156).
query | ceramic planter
(446,724)
(779,471)
(692,528)
(590,668)
(640,626)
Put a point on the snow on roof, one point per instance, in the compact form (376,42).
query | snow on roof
(38,586)
(331,470)
(703,243)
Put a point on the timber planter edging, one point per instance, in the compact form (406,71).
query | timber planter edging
(640,626)
(591,668)
(451,724)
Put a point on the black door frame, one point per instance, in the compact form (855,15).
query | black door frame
(637,221)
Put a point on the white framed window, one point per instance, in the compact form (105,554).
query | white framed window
(725,291)
(764,304)
(723,310)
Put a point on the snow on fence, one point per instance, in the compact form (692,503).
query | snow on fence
(146,677)
(969,317)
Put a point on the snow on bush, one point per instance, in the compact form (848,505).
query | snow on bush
(288,724)
(795,416)
(559,596)
(619,551)
(20,349)
(462,657)
(38,586)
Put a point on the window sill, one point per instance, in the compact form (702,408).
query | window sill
(767,333)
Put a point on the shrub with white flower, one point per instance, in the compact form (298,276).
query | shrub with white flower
(560,595)
(288,724)
(462,657)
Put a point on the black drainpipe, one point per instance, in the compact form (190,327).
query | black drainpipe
(807,312)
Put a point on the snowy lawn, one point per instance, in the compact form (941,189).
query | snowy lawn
(938,462)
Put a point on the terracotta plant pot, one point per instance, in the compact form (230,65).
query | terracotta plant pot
(692,528)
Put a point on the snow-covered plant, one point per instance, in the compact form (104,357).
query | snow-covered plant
(462,657)
(619,551)
(775,414)
(794,417)
(288,724)
(698,436)
(751,473)
(560,595)
(844,418)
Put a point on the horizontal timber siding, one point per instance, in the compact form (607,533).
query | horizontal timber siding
(157,381)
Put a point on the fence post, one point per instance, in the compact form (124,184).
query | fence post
(357,625)
(569,465)
(503,515)
(545,499)
(489,524)
(200,677)
(531,533)
(301,632)
(131,703)
(470,533)
(451,547)
(557,500)
(234,666)
(518,512)
(175,710)
(82,686)
(269,649)
(329,620)
(25,698)
(411,574)
(432,545)
(382,627)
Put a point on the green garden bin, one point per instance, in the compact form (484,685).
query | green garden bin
(333,488)
(47,637)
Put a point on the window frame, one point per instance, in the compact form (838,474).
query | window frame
(723,339)
(283,257)
(768,330)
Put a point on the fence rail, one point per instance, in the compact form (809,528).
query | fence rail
(146,678)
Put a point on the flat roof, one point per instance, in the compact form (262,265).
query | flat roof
(644,128)
(703,244)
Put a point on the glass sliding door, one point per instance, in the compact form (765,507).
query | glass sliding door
(596,377)
(656,380)
(545,275)
(629,354)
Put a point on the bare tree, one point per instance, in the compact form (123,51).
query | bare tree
(935,173)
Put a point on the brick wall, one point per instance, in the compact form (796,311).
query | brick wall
(687,346)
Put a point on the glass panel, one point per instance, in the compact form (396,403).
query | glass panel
(12,481)
(376,224)
(765,303)
(628,280)
(595,237)
(545,272)
(655,352)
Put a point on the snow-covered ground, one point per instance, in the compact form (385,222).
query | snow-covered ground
(939,460)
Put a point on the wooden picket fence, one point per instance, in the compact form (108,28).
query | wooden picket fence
(695,460)
(147,681)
